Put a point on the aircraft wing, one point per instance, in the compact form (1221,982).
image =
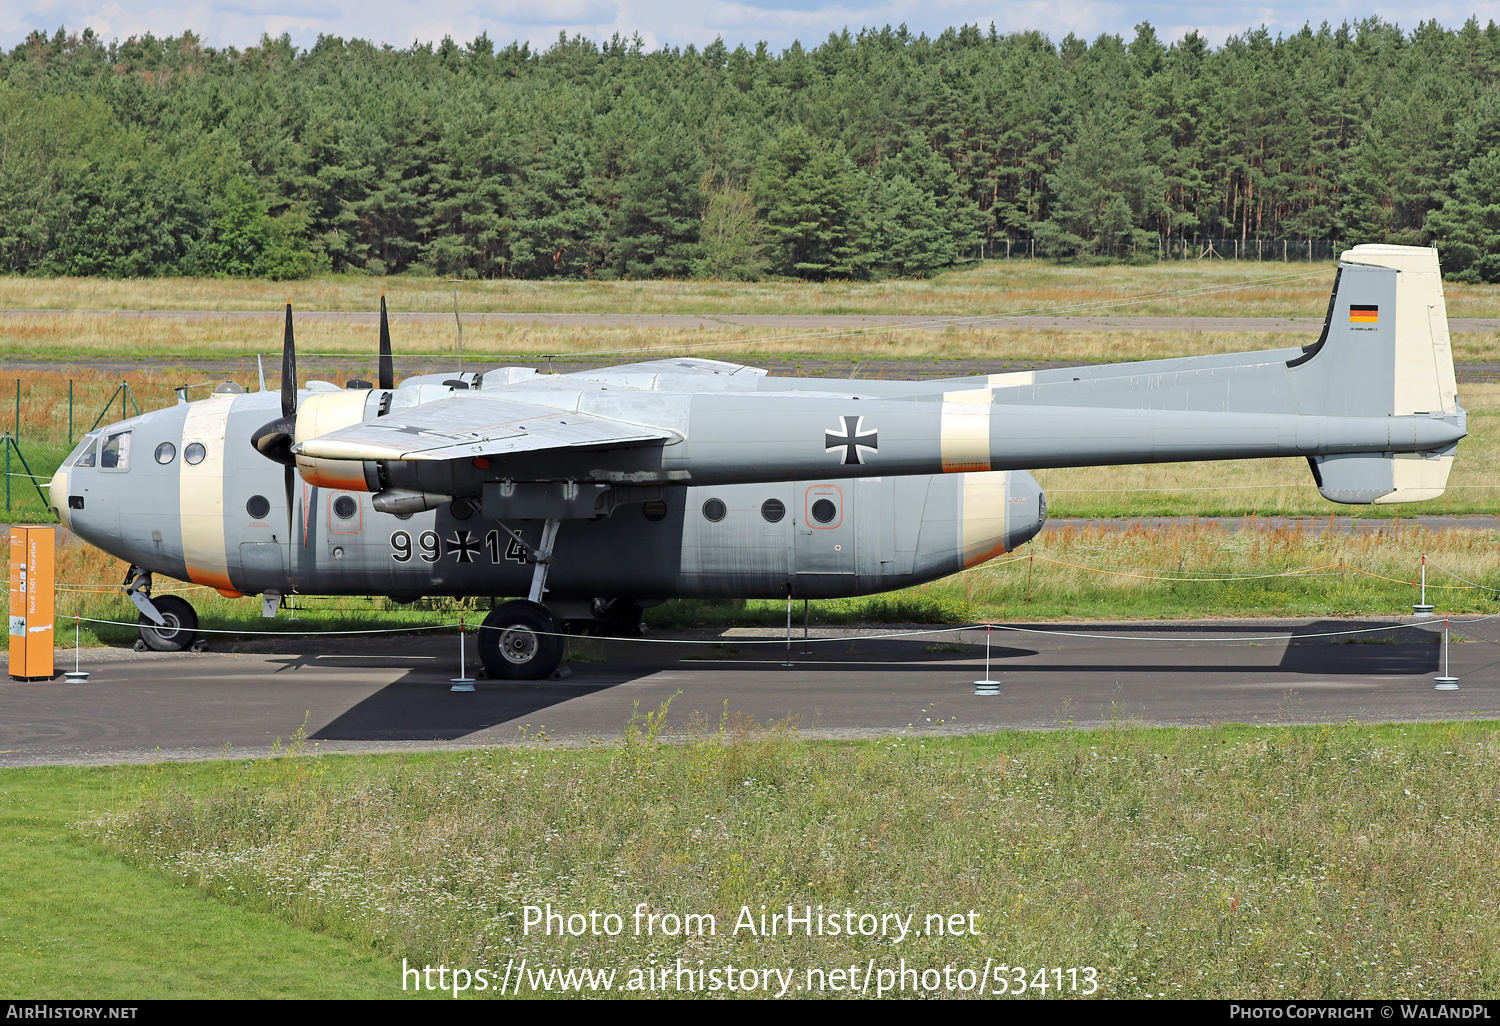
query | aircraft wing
(633,374)
(466,426)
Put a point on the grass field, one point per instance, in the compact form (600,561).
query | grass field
(73,340)
(78,922)
(1310,862)
(1296,289)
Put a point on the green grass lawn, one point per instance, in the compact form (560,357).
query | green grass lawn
(77,922)
(1312,862)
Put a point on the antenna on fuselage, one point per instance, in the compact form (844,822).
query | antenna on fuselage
(454,282)
(260,369)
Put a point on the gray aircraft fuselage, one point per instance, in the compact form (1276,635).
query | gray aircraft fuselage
(222,521)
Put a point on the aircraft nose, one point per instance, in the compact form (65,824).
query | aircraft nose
(57,496)
(1026,510)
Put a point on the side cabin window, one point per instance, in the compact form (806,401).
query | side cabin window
(115,454)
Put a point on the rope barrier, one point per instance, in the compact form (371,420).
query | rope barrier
(1138,573)
(1158,576)
(781,640)
(1455,576)
(310,634)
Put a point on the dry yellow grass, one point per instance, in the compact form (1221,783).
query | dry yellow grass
(991,287)
(1332,862)
(1295,289)
(81,339)
(995,287)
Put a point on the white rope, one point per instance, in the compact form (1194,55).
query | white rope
(781,640)
(1450,573)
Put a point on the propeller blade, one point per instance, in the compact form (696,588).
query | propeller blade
(387,369)
(288,369)
(291,512)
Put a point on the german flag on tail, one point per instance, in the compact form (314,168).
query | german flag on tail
(1364,314)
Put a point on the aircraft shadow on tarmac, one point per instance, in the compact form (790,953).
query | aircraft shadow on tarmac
(1401,652)
(419,707)
(1323,648)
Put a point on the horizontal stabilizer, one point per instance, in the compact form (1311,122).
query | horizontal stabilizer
(1382,477)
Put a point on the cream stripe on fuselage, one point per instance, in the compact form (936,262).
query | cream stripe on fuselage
(965,436)
(201,491)
(981,533)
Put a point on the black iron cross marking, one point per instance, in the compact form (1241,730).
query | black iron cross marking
(853,441)
(465,546)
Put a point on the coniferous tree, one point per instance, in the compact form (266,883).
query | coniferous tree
(812,200)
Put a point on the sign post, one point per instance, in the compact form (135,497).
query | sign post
(31,581)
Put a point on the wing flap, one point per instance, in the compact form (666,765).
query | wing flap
(467,426)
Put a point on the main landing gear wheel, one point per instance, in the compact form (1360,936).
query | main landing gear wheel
(520,641)
(180,630)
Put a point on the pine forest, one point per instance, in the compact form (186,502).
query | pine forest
(871,154)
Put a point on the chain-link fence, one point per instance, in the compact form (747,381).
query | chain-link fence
(1193,247)
(46,416)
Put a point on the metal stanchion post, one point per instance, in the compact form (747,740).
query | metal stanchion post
(788,628)
(987,688)
(1422,610)
(463,682)
(1446,682)
(75,675)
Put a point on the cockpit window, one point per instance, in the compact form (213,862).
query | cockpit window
(115,454)
(86,453)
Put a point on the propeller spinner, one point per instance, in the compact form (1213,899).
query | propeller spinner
(274,440)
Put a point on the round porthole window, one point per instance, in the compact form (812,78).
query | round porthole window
(773,510)
(258,507)
(462,509)
(344,507)
(824,511)
(654,510)
(714,510)
(194,453)
(166,452)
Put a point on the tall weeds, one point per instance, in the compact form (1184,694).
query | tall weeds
(1340,861)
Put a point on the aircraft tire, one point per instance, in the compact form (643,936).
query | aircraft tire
(181,628)
(520,641)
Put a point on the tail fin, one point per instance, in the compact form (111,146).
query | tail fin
(1384,352)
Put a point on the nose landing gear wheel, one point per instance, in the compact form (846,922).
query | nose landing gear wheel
(520,641)
(180,630)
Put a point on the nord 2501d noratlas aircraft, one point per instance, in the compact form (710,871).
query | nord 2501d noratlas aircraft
(597,493)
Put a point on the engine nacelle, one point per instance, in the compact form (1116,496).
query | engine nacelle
(323,412)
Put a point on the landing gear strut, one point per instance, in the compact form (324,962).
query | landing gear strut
(522,640)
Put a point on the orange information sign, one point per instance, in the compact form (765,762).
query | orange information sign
(31,630)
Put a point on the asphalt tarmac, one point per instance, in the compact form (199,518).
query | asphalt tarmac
(392,693)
